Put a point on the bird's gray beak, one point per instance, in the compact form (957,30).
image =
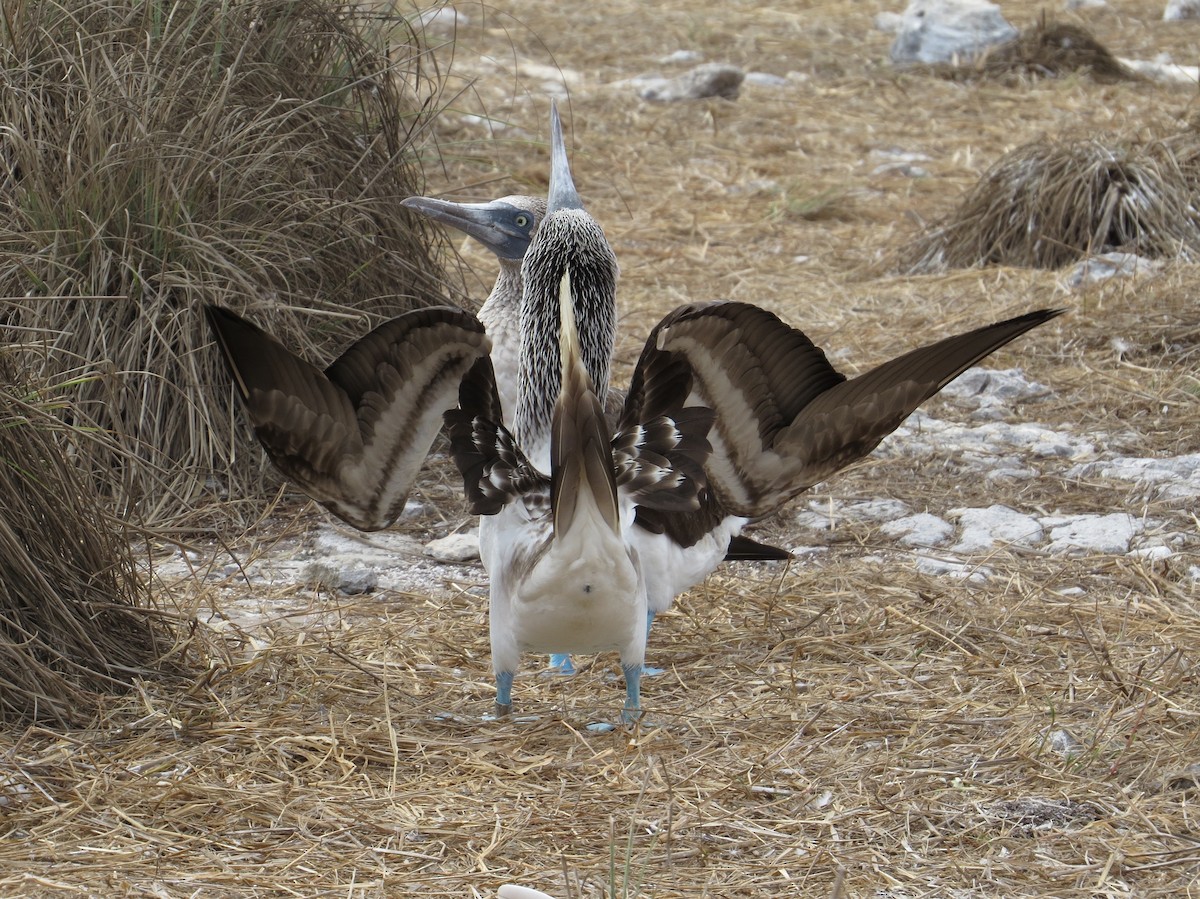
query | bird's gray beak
(482,221)
(562,188)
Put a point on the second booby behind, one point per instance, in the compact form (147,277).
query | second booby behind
(506,227)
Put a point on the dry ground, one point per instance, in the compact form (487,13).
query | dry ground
(847,726)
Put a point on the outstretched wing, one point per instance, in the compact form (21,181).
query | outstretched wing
(353,436)
(849,420)
(785,418)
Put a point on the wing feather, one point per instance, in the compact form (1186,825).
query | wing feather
(785,418)
(353,436)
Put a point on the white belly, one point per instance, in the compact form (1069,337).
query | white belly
(671,569)
(580,592)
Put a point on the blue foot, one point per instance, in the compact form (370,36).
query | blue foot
(650,670)
(560,663)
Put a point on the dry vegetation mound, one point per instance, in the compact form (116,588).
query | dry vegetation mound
(155,156)
(1052,202)
(73,617)
(1052,49)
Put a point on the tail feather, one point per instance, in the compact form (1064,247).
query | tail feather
(581,459)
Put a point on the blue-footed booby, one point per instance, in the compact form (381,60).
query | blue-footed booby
(688,547)
(731,413)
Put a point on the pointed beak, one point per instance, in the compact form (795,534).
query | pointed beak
(486,222)
(562,188)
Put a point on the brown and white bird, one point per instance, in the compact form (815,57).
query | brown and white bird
(506,228)
(685,544)
(731,413)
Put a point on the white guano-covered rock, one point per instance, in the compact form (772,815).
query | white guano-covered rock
(933,31)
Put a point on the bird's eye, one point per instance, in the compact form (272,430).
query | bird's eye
(522,220)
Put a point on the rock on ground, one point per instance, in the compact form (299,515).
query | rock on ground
(454,548)
(1181,9)
(712,79)
(933,31)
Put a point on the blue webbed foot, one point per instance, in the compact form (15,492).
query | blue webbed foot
(560,663)
(632,712)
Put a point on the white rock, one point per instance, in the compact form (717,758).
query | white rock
(983,529)
(454,548)
(921,433)
(1062,741)
(369,549)
(680,57)
(988,386)
(1110,533)
(823,514)
(1156,553)
(356,581)
(921,529)
(765,79)
(933,31)
(1181,9)
(903,169)
(897,154)
(938,565)
(413,509)
(1169,478)
(875,510)
(1163,72)
(1011,473)
(550,74)
(713,79)
(1108,265)
(889,22)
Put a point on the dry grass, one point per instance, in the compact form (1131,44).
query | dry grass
(848,728)
(1048,49)
(1055,201)
(156,156)
(75,620)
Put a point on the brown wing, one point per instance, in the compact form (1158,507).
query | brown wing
(493,468)
(353,436)
(785,418)
(849,420)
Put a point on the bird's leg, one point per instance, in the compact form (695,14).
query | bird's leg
(560,663)
(633,692)
(504,682)
(649,670)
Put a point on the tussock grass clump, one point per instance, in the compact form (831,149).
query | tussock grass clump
(158,155)
(73,618)
(1052,49)
(1051,202)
